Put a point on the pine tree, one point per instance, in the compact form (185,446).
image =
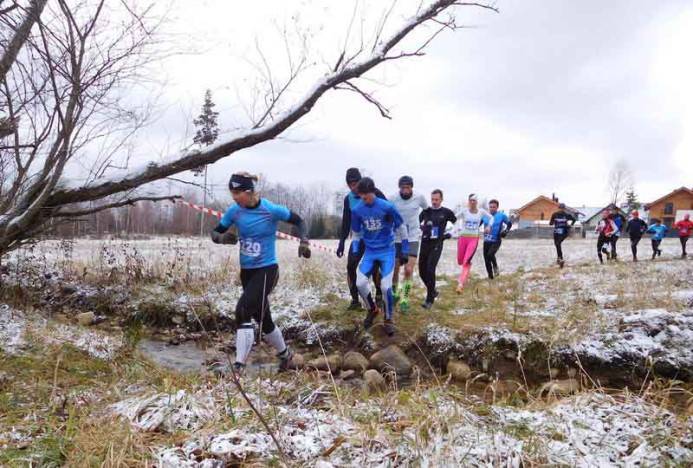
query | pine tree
(207,126)
(632,200)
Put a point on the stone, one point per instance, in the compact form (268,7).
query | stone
(391,359)
(355,361)
(554,372)
(85,318)
(347,374)
(374,381)
(298,361)
(560,387)
(333,363)
(459,370)
(178,319)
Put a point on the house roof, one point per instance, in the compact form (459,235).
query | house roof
(545,198)
(680,189)
(599,210)
(537,199)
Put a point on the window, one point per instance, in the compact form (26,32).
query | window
(668,208)
(542,216)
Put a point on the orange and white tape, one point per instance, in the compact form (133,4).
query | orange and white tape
(280,234)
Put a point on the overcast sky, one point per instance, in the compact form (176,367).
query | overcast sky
(542,98)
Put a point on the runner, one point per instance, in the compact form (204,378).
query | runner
(561,221)
(658,231)
(374,222)
(256,221)
(636,228)
(468,222)
(409,205)
(685,227)
(492,240)
(433,223)
(620,222)
(606,228)
(353,175)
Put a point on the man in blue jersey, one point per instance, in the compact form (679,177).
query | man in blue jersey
(353,176)
(256,221)
(500,226)
(620,222)
(374,222)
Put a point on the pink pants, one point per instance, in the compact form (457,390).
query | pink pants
(466,248)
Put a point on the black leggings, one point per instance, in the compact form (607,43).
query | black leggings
(353,259)
(428,261)
(634,245)
(601,242)
(557,241)
(683,244)
(655,246)
(253,303)
(490,250)
(613,240)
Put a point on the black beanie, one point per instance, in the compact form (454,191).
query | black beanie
(366,185)
(353,175)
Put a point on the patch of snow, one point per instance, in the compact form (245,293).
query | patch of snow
(12,327)
(167,412)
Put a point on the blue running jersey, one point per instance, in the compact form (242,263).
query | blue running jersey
(498,220)
(257,231)
(375,224)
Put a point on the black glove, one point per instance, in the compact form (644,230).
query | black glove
(340,248)
(304,249)
(228,237)
(447,235)
(504,233)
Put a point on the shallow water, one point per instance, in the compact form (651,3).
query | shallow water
(186,357)
(189,357)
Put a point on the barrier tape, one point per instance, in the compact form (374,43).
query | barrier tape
(280,234)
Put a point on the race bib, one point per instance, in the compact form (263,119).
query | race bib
(250,248)
(471,225)
(373,224)
(434,232)
(559,230)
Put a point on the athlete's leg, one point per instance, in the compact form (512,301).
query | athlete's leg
(409,273)
(424,272)
(487,259)
(600,246)
(395,275)
(257,284)
(433,260)
(683,241)
(613,240)
(557,241)
(655,248)
(363,272)
(470,245)
(387,262)
(634,247)
(353,259)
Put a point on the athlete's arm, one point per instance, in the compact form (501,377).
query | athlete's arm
(225,223)
(297,221)
(553,218)
(346,220)
(572,219)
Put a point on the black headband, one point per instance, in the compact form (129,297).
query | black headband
(241,182)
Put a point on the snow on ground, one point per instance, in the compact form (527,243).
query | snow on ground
(590,429)
(18,328)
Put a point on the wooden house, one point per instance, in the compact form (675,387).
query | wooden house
(666,207)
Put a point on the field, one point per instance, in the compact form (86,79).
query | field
(103,346)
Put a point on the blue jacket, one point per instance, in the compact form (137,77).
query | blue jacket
(658,231)
(499,219)
(375,224)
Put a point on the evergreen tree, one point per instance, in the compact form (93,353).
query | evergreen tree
(632,200)
(207,126)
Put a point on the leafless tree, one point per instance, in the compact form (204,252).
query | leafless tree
(620,181)
(65,87)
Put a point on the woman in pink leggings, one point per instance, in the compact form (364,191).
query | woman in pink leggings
(468,222)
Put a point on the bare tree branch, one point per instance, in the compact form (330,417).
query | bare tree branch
(20,36)
(129,201)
